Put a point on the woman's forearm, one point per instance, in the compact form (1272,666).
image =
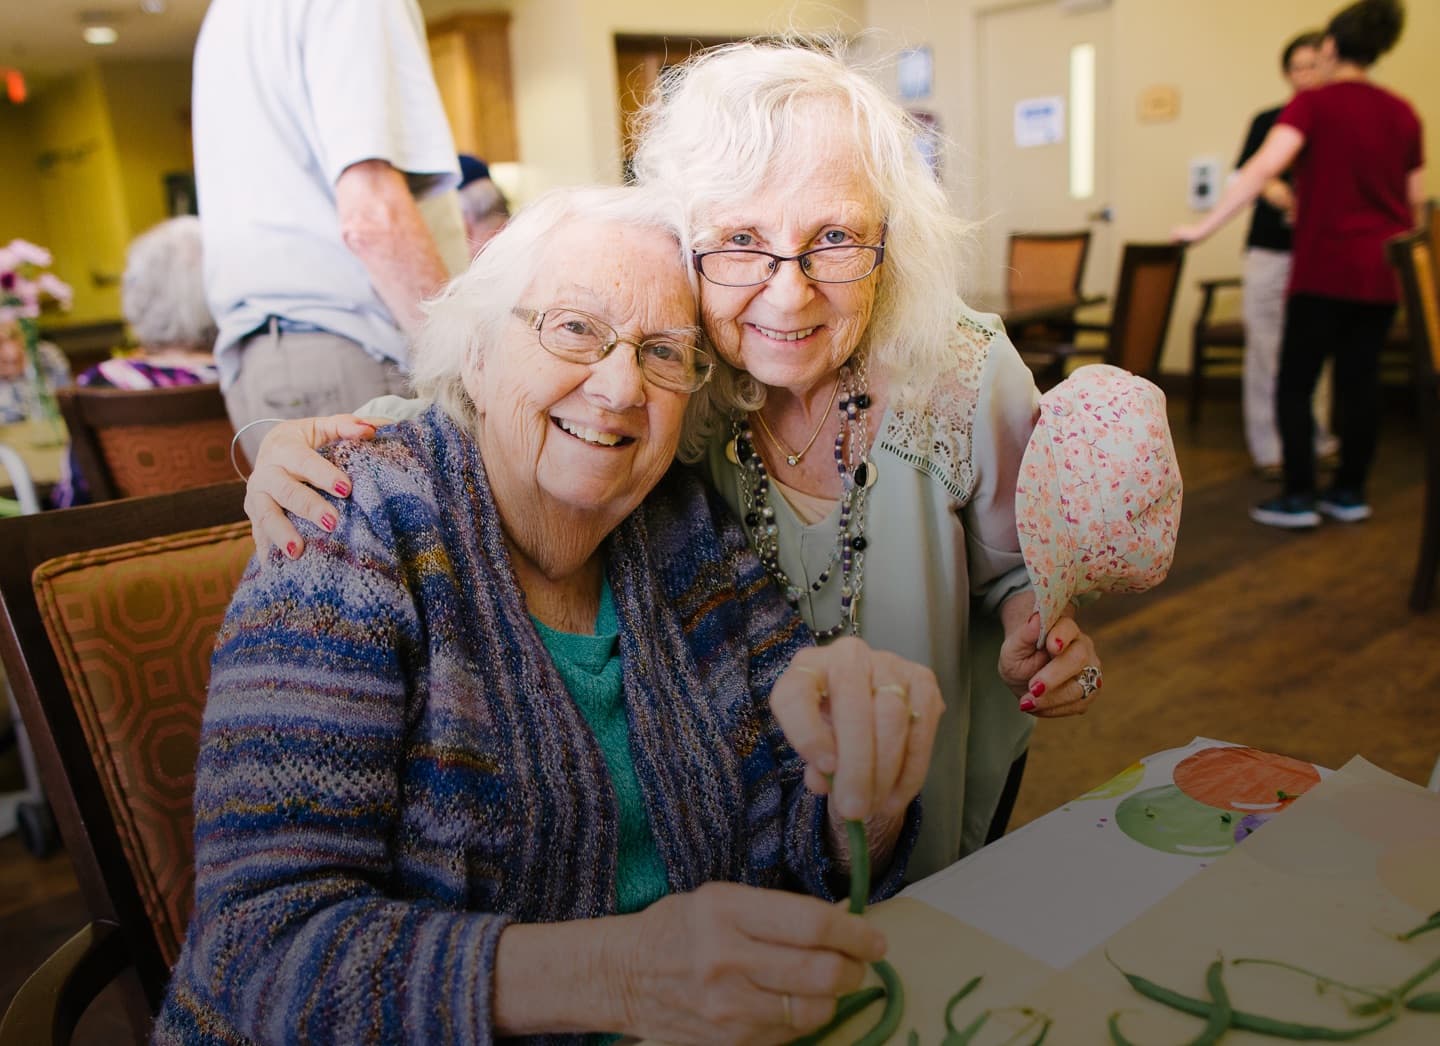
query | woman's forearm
(562,977)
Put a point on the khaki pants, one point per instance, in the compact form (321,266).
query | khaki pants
(1267,273)
(286,374)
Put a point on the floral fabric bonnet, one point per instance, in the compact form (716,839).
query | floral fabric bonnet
(1098,499)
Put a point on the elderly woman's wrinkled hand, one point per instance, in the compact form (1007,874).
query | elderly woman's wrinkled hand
(287,467)
(1057,679)
(742,964)
(863,721)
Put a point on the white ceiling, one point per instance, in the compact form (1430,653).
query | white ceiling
(42,37)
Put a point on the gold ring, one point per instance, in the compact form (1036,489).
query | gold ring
(904,693)
(789,1012)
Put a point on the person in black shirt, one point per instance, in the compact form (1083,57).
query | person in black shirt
(1267,271)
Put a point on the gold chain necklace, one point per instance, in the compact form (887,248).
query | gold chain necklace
(793,458)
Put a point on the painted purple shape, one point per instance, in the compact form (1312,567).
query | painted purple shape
(1248,824)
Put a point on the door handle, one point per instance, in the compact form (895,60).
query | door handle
(1104,214)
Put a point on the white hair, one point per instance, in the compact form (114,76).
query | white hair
(723,124)
(163,291)
(470,313)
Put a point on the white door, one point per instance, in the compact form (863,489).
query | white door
(1029,57)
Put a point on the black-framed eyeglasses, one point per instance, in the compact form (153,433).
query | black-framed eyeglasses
(741,267)
(671,359)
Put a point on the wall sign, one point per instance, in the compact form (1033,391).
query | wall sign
(1039,121)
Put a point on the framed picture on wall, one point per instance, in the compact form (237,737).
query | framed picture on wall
(180,194)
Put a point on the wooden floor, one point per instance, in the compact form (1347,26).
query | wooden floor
(1298,643)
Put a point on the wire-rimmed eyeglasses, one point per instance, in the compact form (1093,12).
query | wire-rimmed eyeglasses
(742,267)
(670,359)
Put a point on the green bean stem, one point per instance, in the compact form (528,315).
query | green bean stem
(1432,922)
(846,1007)
(912,1038)
(1319,978)
(859,866)
(1044,1031)
(1251,1021)
(955,1000)
(894,1006)
(1427,1002)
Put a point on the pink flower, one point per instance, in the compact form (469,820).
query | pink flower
(25,251)
(57,288)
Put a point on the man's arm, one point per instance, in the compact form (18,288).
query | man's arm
(382,226)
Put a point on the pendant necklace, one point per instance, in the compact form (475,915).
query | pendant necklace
(793,458)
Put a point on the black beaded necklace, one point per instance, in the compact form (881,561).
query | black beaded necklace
(857,475)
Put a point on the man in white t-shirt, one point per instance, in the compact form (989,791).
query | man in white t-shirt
(318,133)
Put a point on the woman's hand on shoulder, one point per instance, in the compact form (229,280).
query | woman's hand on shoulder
(287,467)
(864,721)
(1053,680)
(742,964)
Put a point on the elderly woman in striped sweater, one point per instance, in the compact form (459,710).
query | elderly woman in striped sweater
(527,744)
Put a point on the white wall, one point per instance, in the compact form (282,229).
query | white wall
(1222,55)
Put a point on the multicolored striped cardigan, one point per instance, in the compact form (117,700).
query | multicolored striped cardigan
(391,769)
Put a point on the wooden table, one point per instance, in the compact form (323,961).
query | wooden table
(1021,310)
(41,447)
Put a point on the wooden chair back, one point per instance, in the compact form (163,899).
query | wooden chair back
(1047,263)
(108,617)
(132,443)
(1144,300)
(1416,258)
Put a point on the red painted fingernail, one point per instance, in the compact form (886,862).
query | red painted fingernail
(327,521)
(1027,704)
(1099,682)
(1037,688)
(1059,645)
(292,550)
(343,489)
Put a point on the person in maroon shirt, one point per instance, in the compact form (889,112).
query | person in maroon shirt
(1357,157)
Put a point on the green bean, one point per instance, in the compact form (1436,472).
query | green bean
(1432,922)
(1319,978)
(970,986)
(1044,1031)
(1220,1013)
(1251,1021)
(846,1007)
(912,1038)
(859,866)
(1117,1038)
(1386,1002)
(894,1006)
(1429,1002)
(966,1034)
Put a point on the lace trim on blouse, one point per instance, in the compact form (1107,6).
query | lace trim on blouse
(937,435)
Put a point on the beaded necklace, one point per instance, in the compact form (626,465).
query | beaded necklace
(857,475)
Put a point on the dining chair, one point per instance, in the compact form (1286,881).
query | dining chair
(1144,300)
(1416,257)
(1216,342)
(136,442)
(108,617)
(1047,265)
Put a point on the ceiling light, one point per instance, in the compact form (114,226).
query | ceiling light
(99,35)
(153,7)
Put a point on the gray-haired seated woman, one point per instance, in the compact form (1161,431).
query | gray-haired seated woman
(528,743)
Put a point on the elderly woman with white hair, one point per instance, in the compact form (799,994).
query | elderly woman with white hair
(865,425)
(522,746)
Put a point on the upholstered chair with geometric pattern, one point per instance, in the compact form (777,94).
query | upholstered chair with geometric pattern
(131,443)
(110,613)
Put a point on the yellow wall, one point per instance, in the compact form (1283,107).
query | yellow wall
(20,214)
(1222,55)
(149,106)
(80,192)
(83,168)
